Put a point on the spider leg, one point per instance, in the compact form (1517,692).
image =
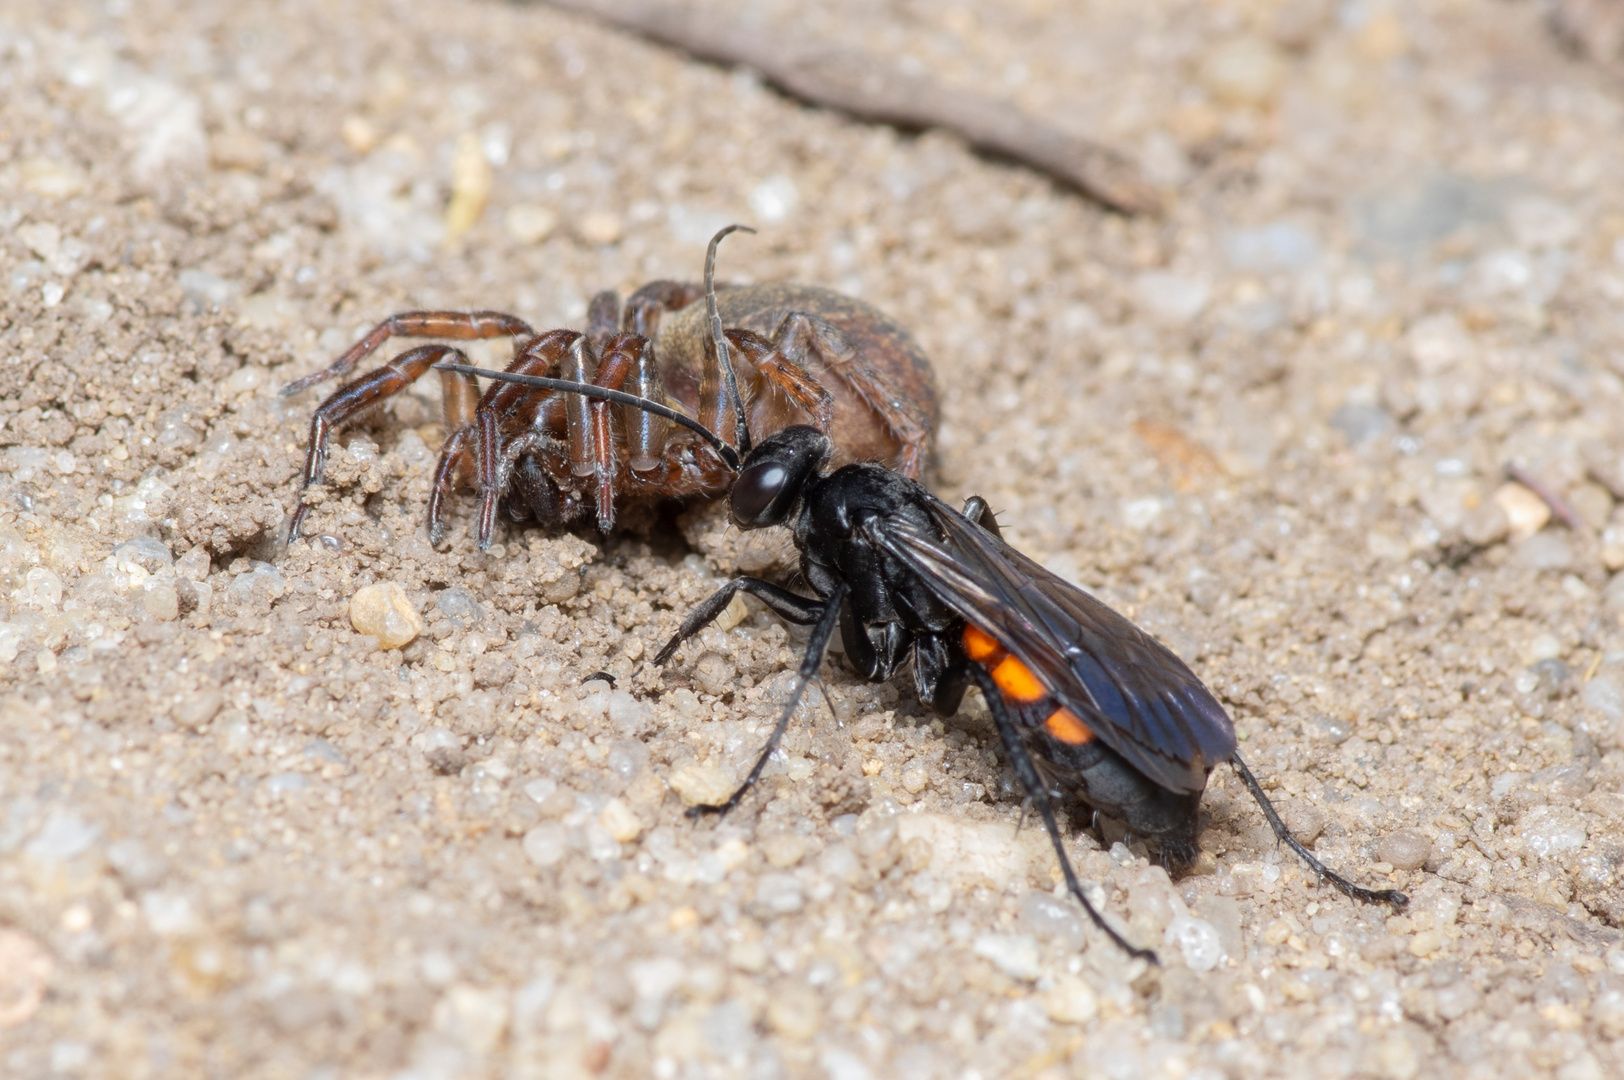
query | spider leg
(367,392)
(815,345)
(452,325)
(645,306)
(620,360)
(504,401)
(756,356)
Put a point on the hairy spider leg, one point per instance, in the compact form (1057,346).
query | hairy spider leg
(450,325)
(814,344)
(758,357)
(368,392)
(502,404)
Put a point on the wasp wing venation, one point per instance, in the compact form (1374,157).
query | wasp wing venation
(1140,698)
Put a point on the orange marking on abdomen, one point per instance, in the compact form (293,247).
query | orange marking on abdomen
(1016,679)
(1064,725)
(979,645)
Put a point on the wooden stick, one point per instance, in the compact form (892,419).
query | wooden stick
(869,87)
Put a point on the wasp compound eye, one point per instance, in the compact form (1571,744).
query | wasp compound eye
(755,491)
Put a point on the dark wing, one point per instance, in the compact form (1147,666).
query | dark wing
(1138,697)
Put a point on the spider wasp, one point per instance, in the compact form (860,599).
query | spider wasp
(1085,703)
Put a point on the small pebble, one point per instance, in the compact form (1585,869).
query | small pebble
(784,849)
(161,601)
(600,227)
(619,822)
(1405,849)
(1016,955)
(529,223)
(546,844)
(1603,695)
(1071,1001)
(733,614)
(384,611)
(1426,943)
(702,784)
(1197,939)
(778,894)
(1526,513)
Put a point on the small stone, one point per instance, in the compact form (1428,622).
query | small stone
(1543,646)
(1197,939)
(1405,849)
(1016,955)
(1071,1001)
(784,849)
(1243,71)
(732,615)
(619,822)
(715,673)
(1426,943)
(793,1011)
(161,601)
(358,133)
(529,223)
(460,607)
(1305,820)
(1526,513)
(25,972)
(914,778)
(702,785)
(546,844)
(600,227)
(1552,830)
(1602,694)
(198,709)
(778,894)
(385,612)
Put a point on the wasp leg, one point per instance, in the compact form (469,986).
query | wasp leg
(977,510)
(822,633)
(1283,834)
(1027,770)
(801,610)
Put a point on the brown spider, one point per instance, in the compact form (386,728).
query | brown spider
(800,354)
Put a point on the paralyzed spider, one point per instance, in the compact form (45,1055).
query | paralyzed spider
(799,353)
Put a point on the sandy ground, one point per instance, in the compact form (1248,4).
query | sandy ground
(238,839)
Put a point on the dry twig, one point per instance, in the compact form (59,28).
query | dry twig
(867,86)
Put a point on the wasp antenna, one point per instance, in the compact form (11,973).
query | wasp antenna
(730,457)
(741,430)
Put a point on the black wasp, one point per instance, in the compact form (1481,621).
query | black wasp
(1086,704)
